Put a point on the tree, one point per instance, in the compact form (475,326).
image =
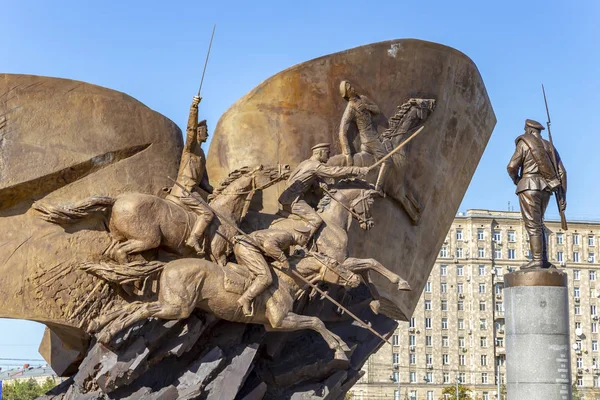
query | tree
(576,394)
(464,393)
(26,389)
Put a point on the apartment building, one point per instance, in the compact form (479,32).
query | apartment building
(457,330)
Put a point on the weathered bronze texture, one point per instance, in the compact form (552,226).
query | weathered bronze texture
(536,277)
(537,171)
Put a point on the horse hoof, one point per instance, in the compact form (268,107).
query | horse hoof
(341,360)
(103,337)
(404,286)
(374,306)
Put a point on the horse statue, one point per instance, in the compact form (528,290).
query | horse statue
(407,118)
(138,222)
(187,284)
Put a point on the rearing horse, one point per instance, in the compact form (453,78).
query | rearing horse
(138,222)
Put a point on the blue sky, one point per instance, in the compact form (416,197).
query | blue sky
(155,52)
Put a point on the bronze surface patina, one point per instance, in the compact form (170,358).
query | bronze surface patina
(153,289)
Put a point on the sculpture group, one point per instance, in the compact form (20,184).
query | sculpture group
(184,251)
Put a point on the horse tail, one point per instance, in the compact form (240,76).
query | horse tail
(136,271)
(71,213)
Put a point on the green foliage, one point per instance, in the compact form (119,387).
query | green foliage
(464,393)
(26,389)
(576,394)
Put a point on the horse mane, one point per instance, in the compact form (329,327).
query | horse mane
(351,183)
(239,173)
(395,122)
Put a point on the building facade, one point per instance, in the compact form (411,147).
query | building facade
(457,330)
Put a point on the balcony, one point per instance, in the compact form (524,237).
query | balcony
(500,350)
(499,315)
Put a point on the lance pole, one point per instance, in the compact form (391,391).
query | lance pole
(401,145)
(296,274)
(207,55)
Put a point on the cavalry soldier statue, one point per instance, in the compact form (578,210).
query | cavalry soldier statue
(192,174)
(306,178)
(537,170)
(360,110)
(274,243)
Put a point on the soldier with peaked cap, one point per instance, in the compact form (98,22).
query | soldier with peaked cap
(274,243)
(306,178)
(360,110)
(192,174)
(533,170)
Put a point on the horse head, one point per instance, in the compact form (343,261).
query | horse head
(356,196)
(267,175)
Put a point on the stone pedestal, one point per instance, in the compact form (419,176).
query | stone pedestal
(538,354)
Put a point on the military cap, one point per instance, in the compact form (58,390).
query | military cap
(302,229)
(202,123)
(321,146)
(344,88)
(534,124)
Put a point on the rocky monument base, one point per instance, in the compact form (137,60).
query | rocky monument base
(538,365)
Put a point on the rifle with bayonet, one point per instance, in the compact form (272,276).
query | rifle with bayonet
(559,192)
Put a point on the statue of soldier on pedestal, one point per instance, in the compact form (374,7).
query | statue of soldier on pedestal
(537,170)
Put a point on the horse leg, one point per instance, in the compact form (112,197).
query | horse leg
(122,250)
(358,265)
(294,322)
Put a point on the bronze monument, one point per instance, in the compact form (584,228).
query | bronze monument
(157,288)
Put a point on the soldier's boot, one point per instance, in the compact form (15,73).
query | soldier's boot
(197,233)
(537,249)
(383,172)
(256,288)
(545,262)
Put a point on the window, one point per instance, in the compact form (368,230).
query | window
(443,270)
(461,323)
(428,287)
(596,381)
(559,256)
(413,394)
(460,288)
(459,234)
(483,360)
(499,288)
(428,377)
(575,256)
(396,340)
(480,234)
(412,378)
(483,324)
(445,359)
(486,396)
(575,238)
(512,237)
(427,305)
(461,342)
(428,359)
(395,376)
(396,395)
(576,274)
(483,341)
(459,252)
(412,323)
(481,252)
(481,270)
(429,395)
(446,376)
(444,252)
(576,292)
(594,327)
(428,341)
(459,270)
(594,362)
(559,238)
(427,323)
(590,240)
(577,309)
(578,325)
(482,288)
(594,345)
(412,340)
(445,341)
(484,378)
(499,306)
(592,275)
(591,258)
(497,254)
(579,362)
(462,359)
(460,305)
(482,305)
(511,254)
(500,342)
(412,358)
(443,287)
(395,358)
(500,360)
(444,323)
(497,236)
(593,310)
(462,378)
(444,305)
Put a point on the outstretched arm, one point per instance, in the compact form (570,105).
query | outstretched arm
(191,131)
(370,105)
